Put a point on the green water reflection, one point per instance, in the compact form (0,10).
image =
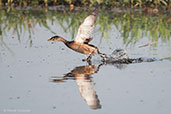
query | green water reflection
(131,25)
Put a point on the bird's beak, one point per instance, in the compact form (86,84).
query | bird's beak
(50,39)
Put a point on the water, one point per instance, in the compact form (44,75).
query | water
(32,70)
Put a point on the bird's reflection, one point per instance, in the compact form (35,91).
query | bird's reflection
(82,76)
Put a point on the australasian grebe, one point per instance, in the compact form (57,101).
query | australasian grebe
(84,36)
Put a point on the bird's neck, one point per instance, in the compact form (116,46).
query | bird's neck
(63,40)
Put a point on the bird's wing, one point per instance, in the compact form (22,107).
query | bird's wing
(85,31)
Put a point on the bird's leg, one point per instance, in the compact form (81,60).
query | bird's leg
(102,55)
(89,58)
(89,62)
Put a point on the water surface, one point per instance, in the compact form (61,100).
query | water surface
(37,76)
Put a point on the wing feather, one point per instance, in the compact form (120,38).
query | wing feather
(85,31)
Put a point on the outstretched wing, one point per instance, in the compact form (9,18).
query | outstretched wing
(84,34)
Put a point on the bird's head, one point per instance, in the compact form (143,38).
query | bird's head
(56,38)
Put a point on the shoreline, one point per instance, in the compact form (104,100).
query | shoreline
(86,8)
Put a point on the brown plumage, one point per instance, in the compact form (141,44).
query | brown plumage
(83,37)
(83,48)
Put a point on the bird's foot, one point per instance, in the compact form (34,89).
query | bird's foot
(104,57)
(88,61)
(83,59)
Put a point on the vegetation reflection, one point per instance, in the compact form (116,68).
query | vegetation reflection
(132,25)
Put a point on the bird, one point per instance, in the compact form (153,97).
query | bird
(84,36)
